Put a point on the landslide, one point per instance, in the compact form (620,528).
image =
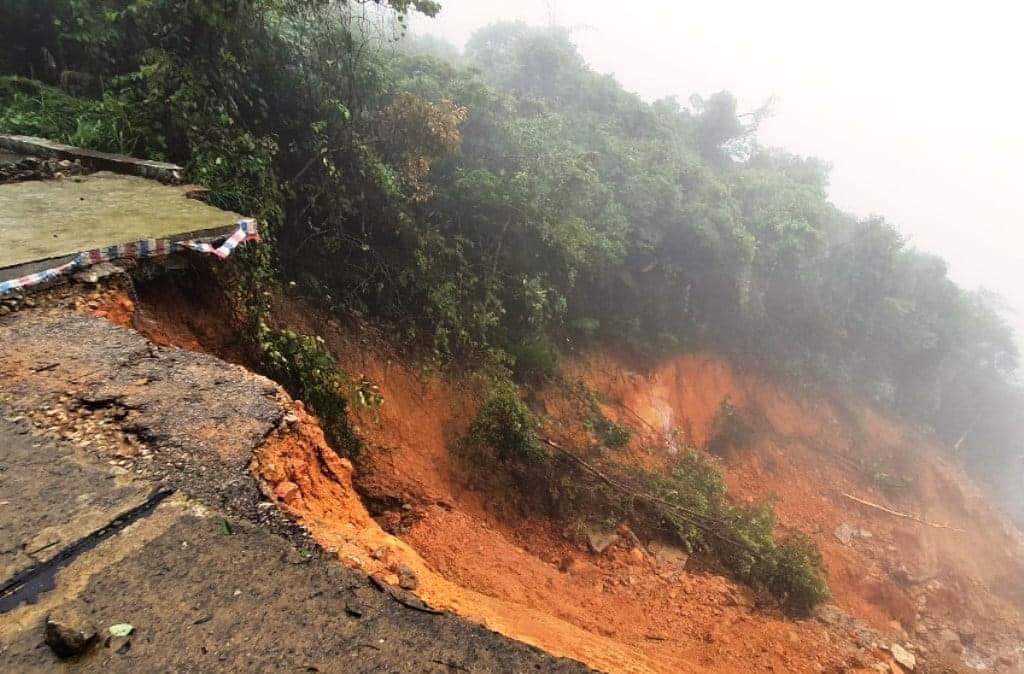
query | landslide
(945,578)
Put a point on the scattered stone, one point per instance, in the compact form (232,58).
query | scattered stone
(4,310)
(94,274)
(968,633)
(124,629)
(1007,660)
(68,637)
(601,541)
(948,638)
(407,579)
(380,553)
(286,492)
(669,554)
(903,656)
(626,534)
(845,533)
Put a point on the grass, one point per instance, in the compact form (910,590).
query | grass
(109,124)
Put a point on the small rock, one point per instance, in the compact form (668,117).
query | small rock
(903,656)
(1007,660)
(599,542)
(948,638)
(407,579)
(4,310)
(68,637)
(845,533)
(669,554)
(287,492)
(380,553)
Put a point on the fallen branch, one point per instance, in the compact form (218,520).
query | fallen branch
(689,516)
(896,513)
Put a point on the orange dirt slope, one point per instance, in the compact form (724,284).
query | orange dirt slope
(955,589)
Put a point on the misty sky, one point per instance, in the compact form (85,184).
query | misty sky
(918,106)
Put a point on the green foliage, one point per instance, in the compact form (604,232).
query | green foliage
(741,538)
(307,370)
(506,427)
(30,108)
(534,361)
(609,433)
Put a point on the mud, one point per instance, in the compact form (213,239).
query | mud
(475,552)
(909,582)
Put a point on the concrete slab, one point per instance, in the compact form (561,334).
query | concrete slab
(48,219)
(98,161)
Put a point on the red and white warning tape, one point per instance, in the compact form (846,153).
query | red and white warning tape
(246,231)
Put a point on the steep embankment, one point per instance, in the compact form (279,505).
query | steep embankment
(946,578)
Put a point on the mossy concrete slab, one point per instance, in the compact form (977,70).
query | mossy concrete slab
(49,219)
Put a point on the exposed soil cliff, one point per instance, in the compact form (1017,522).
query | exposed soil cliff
(913,552)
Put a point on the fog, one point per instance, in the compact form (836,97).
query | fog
(916,105)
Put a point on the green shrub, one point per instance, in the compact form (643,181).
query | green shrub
(611,434)
(308,372)
(505,426)
(535,361)
(741,538)
(797,575)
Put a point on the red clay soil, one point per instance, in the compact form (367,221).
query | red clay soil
(473,552)
(958,585)
(622,611)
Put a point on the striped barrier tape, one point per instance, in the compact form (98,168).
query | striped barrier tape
(246,231)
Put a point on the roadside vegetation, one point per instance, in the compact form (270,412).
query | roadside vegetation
(687,505)
(496,207)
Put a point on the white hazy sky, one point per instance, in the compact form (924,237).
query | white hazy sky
(918,106)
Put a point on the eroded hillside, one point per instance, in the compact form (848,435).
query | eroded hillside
(913,553)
